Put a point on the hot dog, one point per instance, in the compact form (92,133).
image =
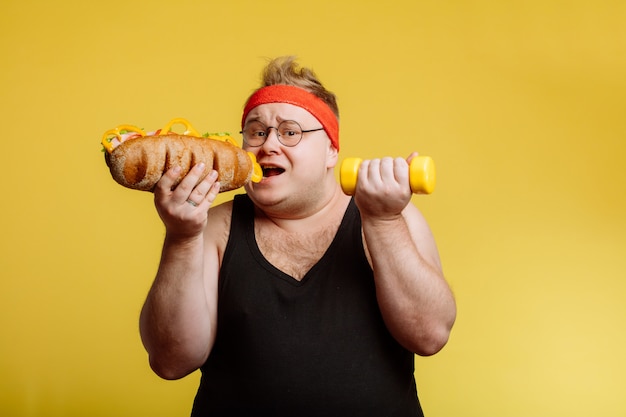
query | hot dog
(137,159)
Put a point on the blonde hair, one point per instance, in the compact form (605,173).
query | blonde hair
(285,70)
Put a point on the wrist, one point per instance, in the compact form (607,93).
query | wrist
(381,219)
(176,238)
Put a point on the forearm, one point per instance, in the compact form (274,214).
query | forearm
(414,298)
(175,322)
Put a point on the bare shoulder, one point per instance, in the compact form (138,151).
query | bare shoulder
(218,226)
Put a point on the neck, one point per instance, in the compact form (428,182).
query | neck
(310,214)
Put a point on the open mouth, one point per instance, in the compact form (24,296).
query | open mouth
(271,171)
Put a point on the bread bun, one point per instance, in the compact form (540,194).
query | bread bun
(139,163)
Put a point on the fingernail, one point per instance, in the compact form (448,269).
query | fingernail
(200,166)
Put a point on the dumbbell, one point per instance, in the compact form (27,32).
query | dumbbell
(421,174)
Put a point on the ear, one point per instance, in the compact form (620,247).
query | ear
(332,156)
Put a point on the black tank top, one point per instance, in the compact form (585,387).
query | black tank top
(315,347)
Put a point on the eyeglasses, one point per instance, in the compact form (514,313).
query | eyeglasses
(289,133)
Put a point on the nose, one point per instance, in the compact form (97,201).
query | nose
(272,141)
(270,130)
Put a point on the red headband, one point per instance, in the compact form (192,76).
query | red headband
(280,93)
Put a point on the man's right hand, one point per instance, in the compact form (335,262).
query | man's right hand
(184,209)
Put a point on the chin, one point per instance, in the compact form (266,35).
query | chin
(265,196)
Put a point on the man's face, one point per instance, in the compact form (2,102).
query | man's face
(288,171)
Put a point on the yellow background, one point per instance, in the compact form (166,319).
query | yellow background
(520,103)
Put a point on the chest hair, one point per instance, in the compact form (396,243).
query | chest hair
(294,253)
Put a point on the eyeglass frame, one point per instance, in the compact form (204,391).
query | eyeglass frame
(278,136)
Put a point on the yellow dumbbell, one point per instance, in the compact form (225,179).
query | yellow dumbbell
(421,174)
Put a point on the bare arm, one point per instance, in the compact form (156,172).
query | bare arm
(178,319)
(414,298)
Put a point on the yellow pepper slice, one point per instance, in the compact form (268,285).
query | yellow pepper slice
(179,120)
(224,137)
(107,138)
(257,171)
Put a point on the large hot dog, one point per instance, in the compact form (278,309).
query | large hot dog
(138,159)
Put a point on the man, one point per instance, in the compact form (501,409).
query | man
(295,299)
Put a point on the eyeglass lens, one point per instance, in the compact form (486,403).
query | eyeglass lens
(289,133)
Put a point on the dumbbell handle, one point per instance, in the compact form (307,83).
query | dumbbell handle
(421,174)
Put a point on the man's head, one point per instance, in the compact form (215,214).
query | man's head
(284,82)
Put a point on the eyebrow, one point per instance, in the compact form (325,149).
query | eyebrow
(279,120)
